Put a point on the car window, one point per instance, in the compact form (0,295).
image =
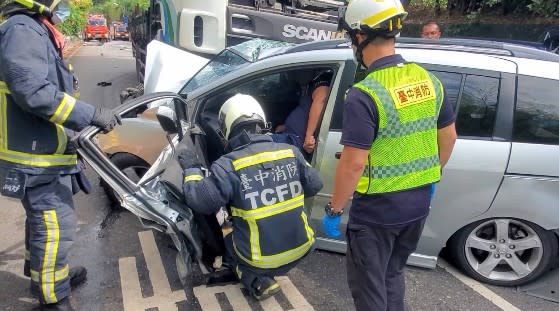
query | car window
(478,106)
(452,82)
(536,119)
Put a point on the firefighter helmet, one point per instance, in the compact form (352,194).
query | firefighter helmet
(238,112)
(43,7)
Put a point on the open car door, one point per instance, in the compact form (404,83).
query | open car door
(156,199)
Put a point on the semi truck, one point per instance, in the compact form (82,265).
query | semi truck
(207,27)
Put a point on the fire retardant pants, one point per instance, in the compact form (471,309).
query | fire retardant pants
(49,234)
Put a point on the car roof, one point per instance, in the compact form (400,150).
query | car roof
(463,53)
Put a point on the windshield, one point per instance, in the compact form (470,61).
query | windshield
(96,22)
(121,29)
(232,59)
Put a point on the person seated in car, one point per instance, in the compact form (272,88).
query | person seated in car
(301,123)
(264,183)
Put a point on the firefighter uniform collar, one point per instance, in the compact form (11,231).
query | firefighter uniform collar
(245,139)
(387,61)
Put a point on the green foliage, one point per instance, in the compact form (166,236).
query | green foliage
(544,7)
(474,9)
(114,10)
(76,22)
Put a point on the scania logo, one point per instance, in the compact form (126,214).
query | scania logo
(309,34)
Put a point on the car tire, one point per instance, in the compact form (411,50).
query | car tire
(127,163)
(481,255)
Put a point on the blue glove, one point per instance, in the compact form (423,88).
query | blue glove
(433,187)
(331,225)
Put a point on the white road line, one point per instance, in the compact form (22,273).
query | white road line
(208,300)
(479,288)
(163,298)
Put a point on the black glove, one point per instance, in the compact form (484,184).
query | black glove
(186,155)
(106,119)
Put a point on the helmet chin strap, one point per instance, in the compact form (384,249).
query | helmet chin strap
(359,51)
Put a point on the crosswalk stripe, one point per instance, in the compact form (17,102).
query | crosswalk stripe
(208,301)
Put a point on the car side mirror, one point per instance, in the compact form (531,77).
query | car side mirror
(167,119)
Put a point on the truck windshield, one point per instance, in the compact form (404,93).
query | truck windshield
(96,22)
(232,59)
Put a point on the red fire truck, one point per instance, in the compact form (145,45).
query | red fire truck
(96,28)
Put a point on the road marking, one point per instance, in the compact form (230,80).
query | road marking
(163,298)
(208,300)
(478,287)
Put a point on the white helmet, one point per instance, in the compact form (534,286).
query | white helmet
(239,110)
(373,15)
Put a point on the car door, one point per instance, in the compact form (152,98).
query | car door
(472,176)
(156,198)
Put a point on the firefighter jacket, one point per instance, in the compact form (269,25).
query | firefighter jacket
(37,110)
(265,184)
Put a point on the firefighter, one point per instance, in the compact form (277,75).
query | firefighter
(264,183)
(398,132)
(38,162)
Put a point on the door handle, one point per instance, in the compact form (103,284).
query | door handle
(338,155)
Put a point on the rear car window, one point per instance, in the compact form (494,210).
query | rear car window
(536,119)
(478,106)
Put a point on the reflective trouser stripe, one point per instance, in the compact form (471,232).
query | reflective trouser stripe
(27,255)
(59,275)
(192,178)
(63,110)
(262,157)
(49,259)
(37,159)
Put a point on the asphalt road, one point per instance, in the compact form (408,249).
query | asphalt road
(132,268)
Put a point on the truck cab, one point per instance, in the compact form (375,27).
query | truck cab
(96,28)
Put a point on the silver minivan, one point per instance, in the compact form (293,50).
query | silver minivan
(494,209)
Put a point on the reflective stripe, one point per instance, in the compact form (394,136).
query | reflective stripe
(63,110)
(310,231)
(255,251)
(62,139)
(59,275)
(192,178)
(277,260)
(262,158)
(42,160)
(374,20)
(383,171)
(4,88)
(270,210)
(49,260)
(27,255)
(3,122)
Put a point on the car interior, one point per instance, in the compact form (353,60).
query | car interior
(278,94)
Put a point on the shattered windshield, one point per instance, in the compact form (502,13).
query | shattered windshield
(232,59)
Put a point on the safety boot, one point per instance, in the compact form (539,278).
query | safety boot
(78,275)
(62,305)
(264,288)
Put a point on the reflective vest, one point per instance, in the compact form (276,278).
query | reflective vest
(404,154)
(37,110)
(270,225)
